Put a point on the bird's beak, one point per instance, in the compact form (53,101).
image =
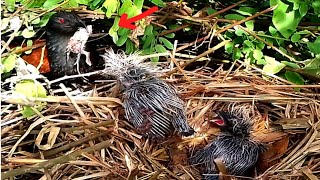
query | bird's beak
(89,29)
(220,120)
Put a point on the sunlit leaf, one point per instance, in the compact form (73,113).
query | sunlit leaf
(111,6)
(273,66)
(8,63)
(229,47)
(257,54)
(34,89)
(138,3)
(51,3)
(125,7)
(26,33)
(10,4)
(285,21)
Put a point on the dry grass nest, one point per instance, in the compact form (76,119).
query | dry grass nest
(87,137)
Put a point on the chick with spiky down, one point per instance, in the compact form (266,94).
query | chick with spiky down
(233,147)
(150,104)
(66,38)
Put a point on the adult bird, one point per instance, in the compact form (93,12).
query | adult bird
(66,36)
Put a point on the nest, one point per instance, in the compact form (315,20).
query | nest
(87,137)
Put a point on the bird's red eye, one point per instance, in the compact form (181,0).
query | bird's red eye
(61,20)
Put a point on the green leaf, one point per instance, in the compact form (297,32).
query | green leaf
(8,63)
(295,37)
(138,3)
(294,77)
(27,112)
(247,11)
(236,54)
(26,33)
(34,89)
(155,59)
(314,47)
(29,44)
(260,45)
(10,4)
(85,2)
(113,30)
(123,31)
(272,65)
(173,26)
(148,50)
(160,48)
(239,32)
(257,54)
(234,17)
(229,47)
(96,3)
(159,3)
(149,40)
(122,40)
(51,3)
(129,47)
(303,8)
(167,43)
(249,25)
(125,6)
(44,20)
(211,11)
(272,30)
(291,64)
(111,6)
(285,21)
(261,61)
(148,30)
(313,63)
(36,21)
(171,35)
(316,7)
(71,3)
(248,43)
(133,11)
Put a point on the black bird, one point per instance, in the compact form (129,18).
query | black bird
(150,104)
(66,40)
(233,146)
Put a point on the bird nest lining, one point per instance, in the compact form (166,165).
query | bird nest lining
(87,137)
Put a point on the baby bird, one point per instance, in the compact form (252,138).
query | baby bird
(233,146)
(150,104)
(66,38)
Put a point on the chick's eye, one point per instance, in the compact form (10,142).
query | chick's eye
(61,20)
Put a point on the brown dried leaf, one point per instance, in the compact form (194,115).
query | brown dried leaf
(53,134)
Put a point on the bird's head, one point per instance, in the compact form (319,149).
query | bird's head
(233,123)
(65,22)
(134,75)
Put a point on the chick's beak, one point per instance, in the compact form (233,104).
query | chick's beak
(220,120)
